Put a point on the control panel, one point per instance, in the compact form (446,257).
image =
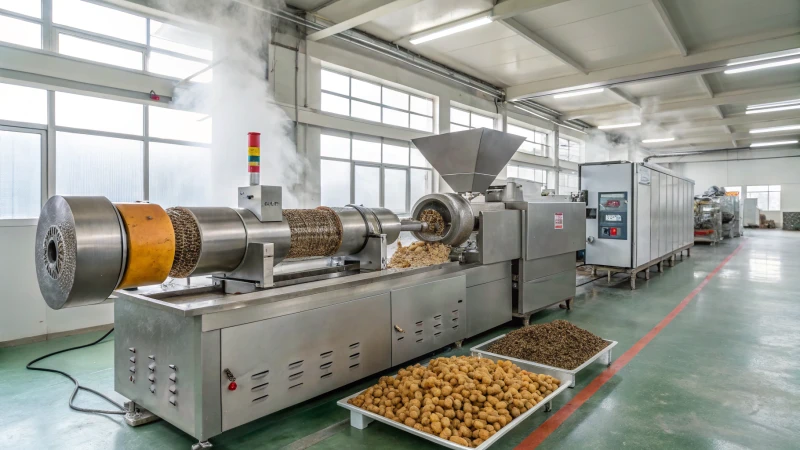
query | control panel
(612,215)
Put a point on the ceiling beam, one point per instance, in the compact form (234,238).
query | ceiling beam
(622,95)
(525,33)
(323,6)
(363,18)
(747,96)
(790,116)
(727,138)
(714,60)
(670,27)
(511,8)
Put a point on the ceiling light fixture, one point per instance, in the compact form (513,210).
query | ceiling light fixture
(650,141)
(773,129)
(456,27)
(763,66)
(770,144)
(577,93)
(767,110)
(762,59)
(619,125)
(770,105)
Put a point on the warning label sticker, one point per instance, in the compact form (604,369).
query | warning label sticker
(559,221)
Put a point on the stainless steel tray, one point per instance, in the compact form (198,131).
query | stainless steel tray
(360,418)
(531,366)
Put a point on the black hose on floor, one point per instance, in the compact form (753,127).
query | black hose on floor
(78,385)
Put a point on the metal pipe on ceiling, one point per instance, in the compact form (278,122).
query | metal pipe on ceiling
(699,152)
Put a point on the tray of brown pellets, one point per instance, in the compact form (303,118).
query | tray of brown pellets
(474,418)
(558,343)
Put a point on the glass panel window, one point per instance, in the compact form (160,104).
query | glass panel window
(417,160)
(366,91)
(32,8)
(479,121)
(421,184)
(454,128)
(20,175)
(188,186)
(335,104)
(394,187)
(563,149)
(366,111)
(394,117)
(421,123)
(23,104)
(423,106)
(101,20)
(97,165)
(769,197)
(366,151)
(78,111)
(334,146)
(20,32)
(187,126)
(368,186)
(334,82)
(526,173)
(95,51)
(334,182)
(180,40)
(396,154)
(459,116)
(535,141)
(395,99)
(175,67)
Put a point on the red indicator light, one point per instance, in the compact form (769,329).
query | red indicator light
(232,386)
(613,231)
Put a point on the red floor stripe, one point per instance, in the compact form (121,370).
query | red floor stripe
(549,426)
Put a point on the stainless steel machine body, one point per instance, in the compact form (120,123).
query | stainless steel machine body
(265,332)
(636,214)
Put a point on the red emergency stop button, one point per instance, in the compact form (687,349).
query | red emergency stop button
(614,231)
(232,386)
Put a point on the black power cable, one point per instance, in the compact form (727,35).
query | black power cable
(78,385)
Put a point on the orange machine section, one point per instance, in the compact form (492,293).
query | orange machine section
(151,244)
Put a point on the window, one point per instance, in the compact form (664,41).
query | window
(342,94)
(535,141)
(461,120)
(769,197)
(20,173)
(23,104)
(567,183)
(527,173)
(372,171)
(108,35)
(102,148)
(569,150)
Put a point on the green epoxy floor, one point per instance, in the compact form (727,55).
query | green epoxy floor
(724,374)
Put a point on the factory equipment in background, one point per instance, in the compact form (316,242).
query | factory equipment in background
(225,315)
(732,215)
(751,213)
(638,215)
(708,219)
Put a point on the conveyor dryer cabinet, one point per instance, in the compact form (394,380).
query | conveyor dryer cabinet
(636,213)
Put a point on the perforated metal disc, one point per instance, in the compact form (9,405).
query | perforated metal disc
(79,251)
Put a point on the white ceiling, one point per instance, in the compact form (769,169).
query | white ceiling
(612,42)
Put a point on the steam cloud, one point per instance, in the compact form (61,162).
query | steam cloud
(240,101)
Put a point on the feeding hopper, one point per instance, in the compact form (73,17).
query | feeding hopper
(469,160)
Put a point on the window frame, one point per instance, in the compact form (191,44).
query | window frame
(43,174)
(769,191)
(350,98)
(545,147)
(567,176)
(471,113)
(381,166)
(51,31)
(544,170)
(570,140)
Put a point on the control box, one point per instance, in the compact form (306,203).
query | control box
(612,215)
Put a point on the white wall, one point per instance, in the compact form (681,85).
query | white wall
(734,168)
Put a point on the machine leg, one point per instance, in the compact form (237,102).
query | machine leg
(549,406)
(661,267)
(566,305)
(526,320)
(459,343)
(633,282)
(594,271)
(609,277)
(608,358)
(647,273)
(201,445)
(357,420)
(689,252)
(135,415)
(672,261)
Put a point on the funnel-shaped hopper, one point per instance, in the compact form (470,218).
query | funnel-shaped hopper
(469,160)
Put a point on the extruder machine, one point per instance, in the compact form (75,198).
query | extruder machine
(225,315)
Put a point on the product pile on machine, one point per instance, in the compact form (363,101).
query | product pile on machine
(419,254)
(557,344)
(463,399)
